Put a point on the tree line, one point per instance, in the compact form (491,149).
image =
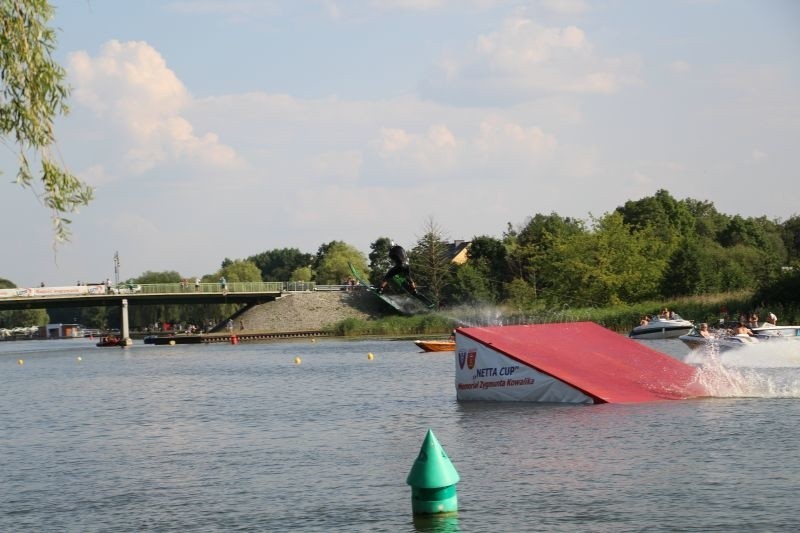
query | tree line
(654,248)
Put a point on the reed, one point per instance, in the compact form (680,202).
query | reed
(705,308)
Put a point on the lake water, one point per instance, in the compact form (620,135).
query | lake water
(222,438)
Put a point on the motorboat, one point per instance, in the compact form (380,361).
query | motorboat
(769,332)
(662,328)
(719,341)
(109,341)
(437,346)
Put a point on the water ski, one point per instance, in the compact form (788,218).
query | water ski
(407,303)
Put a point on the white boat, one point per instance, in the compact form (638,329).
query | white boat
(717,341)
(768,332)
(662,328)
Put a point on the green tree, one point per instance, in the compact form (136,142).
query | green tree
(609,265)
(531,249)
(333,264)
(470,286)
(302,274)
(33,92)
(379,261)
(166,276)
(521,296)
(708,222)
(691,269)
(430,261)
(790,233)
(489,257)
(668,216)
(240,270)
(278,264)
(141,316)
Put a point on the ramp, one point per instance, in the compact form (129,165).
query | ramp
(579,362)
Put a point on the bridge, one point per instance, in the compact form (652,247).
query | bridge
(124,295)
(149,294)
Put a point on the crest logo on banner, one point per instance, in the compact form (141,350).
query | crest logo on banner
(471,356)
(462,357)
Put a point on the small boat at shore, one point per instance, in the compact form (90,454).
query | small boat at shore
(437,346)
(106,342)
(174,339)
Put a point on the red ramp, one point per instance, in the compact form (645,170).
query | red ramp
(577,362)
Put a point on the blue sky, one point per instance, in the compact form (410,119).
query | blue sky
(216,129)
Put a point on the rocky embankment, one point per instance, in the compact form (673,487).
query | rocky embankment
(310,311)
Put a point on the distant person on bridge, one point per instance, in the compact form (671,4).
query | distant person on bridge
(399,257)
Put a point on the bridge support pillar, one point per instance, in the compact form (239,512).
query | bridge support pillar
(126,338)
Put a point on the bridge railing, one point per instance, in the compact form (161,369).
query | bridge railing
(165,288)
(205,288)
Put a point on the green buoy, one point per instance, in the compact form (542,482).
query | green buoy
(433,480)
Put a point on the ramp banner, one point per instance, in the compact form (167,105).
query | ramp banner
(485,374)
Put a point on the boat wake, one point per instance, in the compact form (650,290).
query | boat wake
(764,371)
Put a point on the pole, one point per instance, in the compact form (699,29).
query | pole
(116,268)
(126,338)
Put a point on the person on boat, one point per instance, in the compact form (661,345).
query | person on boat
(399,257)
(754,320)
(644,321)
(772,319)
(742,329)
(704,331)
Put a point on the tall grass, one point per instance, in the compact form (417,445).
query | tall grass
(427,324)
(707,308)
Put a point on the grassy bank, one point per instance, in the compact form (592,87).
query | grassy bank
(395,325)
(621,318)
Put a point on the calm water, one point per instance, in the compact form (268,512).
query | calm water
(221,437)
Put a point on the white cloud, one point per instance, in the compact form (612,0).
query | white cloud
(220,7)
(431,153)
(131,89)
(418,5)
(523,60)
(758,155)
(500,139)
(341,166)
(679,67)
(641,179)
(95,175)
(566,7)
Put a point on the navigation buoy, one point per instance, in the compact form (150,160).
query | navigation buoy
(433,480)
(20,362)
(297,360)
(370,356)
(234,339)
(313,340)
(172,343)
(80,358)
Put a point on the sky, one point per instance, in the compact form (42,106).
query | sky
(216,129)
